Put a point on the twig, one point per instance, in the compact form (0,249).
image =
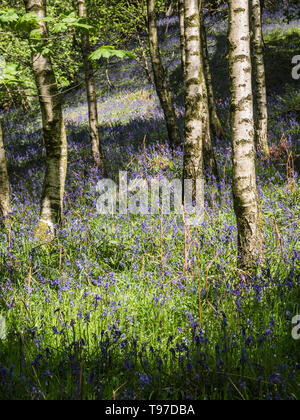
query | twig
(241,395)
(115,392)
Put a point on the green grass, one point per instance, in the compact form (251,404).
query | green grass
(113,304)
(149,296)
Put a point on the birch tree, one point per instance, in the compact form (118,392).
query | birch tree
(90,89)
(194,96)
(54,133)
(182,34)
(261,132)
(160,78)
(189,26)
(5,207)
(246,205)
(215,124)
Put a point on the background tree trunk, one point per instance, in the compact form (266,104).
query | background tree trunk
(195,130)
(215,124)
(160,78)
(182,35)
(246,206)
(91,90)
(261,132)
(210,163)
(5,208)
(55,138)
(196,67)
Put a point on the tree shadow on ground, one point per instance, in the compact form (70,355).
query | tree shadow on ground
(121,140)
(279,51)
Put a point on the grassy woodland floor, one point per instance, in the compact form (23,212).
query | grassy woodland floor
(144,307)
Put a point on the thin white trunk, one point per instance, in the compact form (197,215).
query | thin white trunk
(195,127)
(215,123)
(91,91)
(160,78)
(55,138)
(182,33)
(261,132)
(5,207)
(246,205)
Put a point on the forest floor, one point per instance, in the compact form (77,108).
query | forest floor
(145,307)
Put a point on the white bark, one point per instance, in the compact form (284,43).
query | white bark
(195,127)
(91,91)
(261,132)
(5,207)
(55,138)
(160,78)
(182,33)
(215,123)
(246,204)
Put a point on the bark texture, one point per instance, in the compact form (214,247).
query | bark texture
(55,138)
(261,132)
(160,78)
(215,123)
(91,90)
(182,33)
(207,148)
(5,207)
(210,163)
(195,128)
(246,205)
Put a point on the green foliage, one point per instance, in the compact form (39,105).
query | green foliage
(12,20)
(66,301)
(8,17)
(110,51)
(28,22)
(19,27)
(111,23)
(70,21)
(11,74)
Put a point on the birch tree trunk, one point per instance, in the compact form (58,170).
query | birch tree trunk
(261,132)
(197,122)
(5,207)
(182,33)
(91,90)
(210,163)
(246,205)
(195,129)
(55,138)
(215,124)
(160,78)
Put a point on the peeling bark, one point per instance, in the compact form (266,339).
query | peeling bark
(246,205)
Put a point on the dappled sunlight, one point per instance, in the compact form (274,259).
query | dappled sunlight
(146,306)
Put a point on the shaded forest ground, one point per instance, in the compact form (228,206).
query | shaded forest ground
(144,304)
